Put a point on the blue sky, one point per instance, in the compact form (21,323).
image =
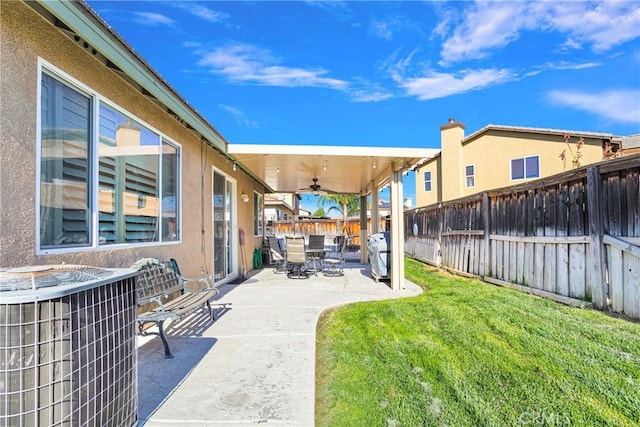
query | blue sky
(368,73)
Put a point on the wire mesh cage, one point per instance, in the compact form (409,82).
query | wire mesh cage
(67,347)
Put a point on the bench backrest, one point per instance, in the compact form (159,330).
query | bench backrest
(154,279)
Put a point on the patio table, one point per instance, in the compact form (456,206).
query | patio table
(314,255)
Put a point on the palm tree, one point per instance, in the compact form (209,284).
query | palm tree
(346,204)
(319,213)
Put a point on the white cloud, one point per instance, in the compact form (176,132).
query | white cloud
(616,105)
(398,66)
(439,85)
(485,26)
(200,11)
(602,25)
(153,19)
(561,65)
(239,116)
(388,27)
(362,90)
(564,65)
(382,29)
(244,63)
(489,25)
(363,95)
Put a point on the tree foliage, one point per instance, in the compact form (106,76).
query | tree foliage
(346,204)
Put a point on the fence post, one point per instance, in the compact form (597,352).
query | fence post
(439,242)
(596,267)
(486,214)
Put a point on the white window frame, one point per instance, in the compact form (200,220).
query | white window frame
(472,176)
(44,67)
(424,181)
(524,160)
(233,228)
(258,199)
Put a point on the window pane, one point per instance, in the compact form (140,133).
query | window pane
(170,197)
(517,169)
(257,214)
(128,180)
(470,178)
(64,165)
(221,226)
(427,181)
(532,167)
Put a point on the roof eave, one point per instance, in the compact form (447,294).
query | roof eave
(541,131)
(78,16)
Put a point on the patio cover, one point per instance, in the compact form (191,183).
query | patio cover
(343,170)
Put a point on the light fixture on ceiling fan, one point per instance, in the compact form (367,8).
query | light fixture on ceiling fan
(315,189)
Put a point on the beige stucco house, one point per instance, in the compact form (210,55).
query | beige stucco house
(102,162)
(499,156)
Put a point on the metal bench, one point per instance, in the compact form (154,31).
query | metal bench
(164,294)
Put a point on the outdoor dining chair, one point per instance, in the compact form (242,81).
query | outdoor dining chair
(315,250)
(278,255)
(334,265)
(296,258)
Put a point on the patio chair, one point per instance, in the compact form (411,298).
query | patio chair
(315,250)
(278,255)
(334,265)
(296,258)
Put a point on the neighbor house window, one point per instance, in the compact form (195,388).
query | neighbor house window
(258,212)
(120,186)
(427,181)
(525,168)
(470,176)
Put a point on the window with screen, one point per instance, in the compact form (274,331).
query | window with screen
(118,187)
(427,181)
(525,168)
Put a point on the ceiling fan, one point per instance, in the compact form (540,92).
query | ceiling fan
(315,189)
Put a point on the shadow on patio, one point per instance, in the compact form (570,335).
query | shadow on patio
(256,362)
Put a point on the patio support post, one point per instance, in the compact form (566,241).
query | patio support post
(397,229)
(363,229)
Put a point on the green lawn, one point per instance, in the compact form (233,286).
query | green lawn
(466,353)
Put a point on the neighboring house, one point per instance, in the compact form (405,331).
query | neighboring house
(279,207)
(629,145)
(101,161)
(499,156)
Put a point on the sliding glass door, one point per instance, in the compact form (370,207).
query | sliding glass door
(225,235)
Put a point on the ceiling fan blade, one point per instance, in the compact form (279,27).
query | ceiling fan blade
(315,189)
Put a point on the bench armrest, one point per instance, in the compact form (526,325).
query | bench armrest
(198,284)
(156,298)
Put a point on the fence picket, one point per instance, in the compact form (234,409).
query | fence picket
(616,276)
(631,268)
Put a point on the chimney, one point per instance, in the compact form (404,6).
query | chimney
(451,136)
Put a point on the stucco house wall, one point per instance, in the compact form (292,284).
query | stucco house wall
(423,197)
(490,152)
(25,36)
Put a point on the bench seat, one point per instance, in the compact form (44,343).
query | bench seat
(164,294)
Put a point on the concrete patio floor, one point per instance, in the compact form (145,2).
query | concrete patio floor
(256,362)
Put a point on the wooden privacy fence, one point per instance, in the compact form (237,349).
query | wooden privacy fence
(572,236)
(329,227)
